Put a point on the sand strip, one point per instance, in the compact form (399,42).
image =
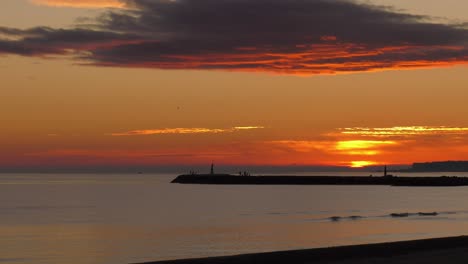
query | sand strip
(439,250)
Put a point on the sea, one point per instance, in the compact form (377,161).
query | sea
(132,218)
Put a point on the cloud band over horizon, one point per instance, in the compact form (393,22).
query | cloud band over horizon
(154,147)
(303,37)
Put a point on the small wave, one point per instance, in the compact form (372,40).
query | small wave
(428,214)
(392,215)
(352,217)
(396,215)
(399,214)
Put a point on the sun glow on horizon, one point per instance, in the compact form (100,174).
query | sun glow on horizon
(361,144)
(354,146)
(362,163)
(362,147)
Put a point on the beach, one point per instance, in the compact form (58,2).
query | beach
(438,250)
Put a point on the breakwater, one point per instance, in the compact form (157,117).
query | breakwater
(320,180)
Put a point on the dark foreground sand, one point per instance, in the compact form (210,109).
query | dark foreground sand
(440,250)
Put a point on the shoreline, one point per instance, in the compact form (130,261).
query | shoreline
(434,250)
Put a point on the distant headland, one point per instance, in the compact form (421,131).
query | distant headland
(438,166)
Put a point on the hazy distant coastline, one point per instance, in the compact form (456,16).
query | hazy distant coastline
(438,166)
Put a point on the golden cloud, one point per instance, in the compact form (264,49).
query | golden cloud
(196,130)
(404,131)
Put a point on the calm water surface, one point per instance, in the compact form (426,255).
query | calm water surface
(72,218)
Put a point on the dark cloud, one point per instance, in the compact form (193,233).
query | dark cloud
(49,41)
(287,36)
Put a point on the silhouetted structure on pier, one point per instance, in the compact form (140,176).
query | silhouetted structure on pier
(385,172)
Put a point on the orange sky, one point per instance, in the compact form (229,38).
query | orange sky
(55,111)
(81,3)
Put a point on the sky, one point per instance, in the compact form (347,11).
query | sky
(141,83)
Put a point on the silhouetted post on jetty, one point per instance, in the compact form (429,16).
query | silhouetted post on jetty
(386,174)
(212,169)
